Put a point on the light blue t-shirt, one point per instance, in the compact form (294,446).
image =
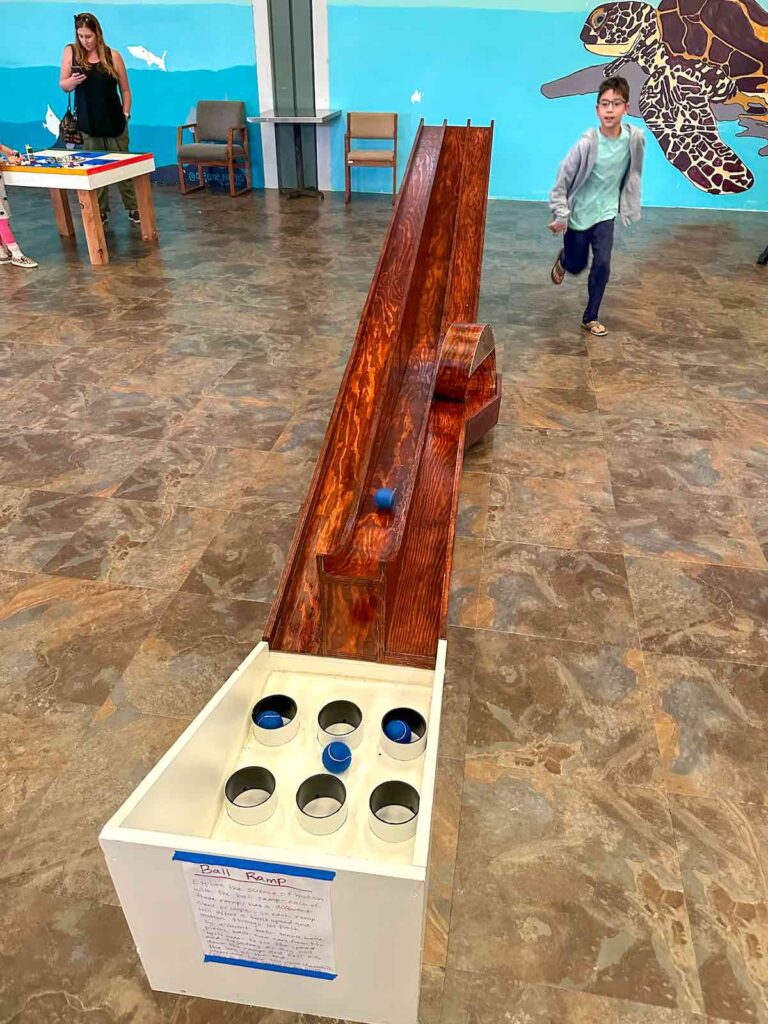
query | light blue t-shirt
(598,198)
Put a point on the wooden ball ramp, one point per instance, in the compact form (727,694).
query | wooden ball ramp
(251,866)
(420,386)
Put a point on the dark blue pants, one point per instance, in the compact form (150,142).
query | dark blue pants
(576,245)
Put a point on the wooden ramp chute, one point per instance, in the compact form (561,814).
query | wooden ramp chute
(420,386)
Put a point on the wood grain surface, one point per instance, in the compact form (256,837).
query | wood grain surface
(360,582)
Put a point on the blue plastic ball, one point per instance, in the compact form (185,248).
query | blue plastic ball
(337,757)
(269,720)
(397,731)
(384,499)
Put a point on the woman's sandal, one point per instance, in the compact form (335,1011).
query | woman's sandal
(595,328)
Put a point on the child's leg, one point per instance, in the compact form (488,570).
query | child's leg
(6,235)
(575,251)
(602,245)
(8,239)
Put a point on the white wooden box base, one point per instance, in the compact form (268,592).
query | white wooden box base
(379,891)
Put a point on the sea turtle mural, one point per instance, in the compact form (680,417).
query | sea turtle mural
(696,62)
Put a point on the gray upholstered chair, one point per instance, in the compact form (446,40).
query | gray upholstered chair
(214,129)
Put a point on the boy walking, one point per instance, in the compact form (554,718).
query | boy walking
(599,178)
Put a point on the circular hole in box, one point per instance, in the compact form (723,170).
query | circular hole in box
(340,720)
(417,726)
(250,795)
(321,801)
(394,811)
(270,708)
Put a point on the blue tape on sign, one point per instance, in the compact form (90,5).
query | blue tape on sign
(268,967)
(255,865)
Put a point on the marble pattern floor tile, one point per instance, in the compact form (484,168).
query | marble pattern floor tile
(35,525)
(69,640)
(138,544)
(571,710)
(487,997)
(531,408)
(474,494)
(695,465)
(54,846)
(710,718)
(254,423)
(445,836)
(556,454)
(607,642)
(196,644)
(727,903)
(72,961)
(555,513)
(690,527)
(598,902)
(69,462)
(245,558)
(567,595)
(701,611)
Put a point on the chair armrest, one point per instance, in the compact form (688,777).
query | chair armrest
(180,133)
(231,136)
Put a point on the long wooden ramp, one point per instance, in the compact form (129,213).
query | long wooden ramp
(420,385)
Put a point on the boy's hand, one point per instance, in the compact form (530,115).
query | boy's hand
(557,227)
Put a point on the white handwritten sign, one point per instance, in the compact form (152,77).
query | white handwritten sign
(259,916)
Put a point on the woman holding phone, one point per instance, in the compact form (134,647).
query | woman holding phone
(97,76)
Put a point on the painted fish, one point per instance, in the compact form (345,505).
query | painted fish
(417,97)
(142,53)
(51,122)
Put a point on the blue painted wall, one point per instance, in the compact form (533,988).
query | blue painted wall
(210,55)
(488,60)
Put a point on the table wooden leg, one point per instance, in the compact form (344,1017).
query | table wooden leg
(94,229)
(62,212)
(143,187)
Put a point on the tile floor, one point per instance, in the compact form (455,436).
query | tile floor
(600,849)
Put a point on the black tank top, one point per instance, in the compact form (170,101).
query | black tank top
(98,104)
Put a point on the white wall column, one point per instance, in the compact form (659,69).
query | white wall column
(266,95)
(322,90)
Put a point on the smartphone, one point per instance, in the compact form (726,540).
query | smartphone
(78,69)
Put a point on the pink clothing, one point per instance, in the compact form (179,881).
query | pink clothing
(6,235)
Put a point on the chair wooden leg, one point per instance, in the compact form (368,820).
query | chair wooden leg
(185,188)
(394,184)
(347,184)
(233,190)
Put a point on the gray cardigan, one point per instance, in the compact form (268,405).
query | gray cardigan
(577,167)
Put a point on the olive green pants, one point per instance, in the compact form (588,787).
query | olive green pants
(118,144)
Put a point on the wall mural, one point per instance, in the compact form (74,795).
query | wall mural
(176,52)
(690,64)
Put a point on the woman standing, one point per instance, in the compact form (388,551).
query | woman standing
(97,76)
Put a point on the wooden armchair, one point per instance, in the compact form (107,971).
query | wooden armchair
(369,126)
(217,124)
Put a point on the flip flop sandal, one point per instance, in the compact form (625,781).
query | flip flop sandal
(558,270)
(595,328)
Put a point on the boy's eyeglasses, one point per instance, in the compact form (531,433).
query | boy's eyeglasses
(616,104)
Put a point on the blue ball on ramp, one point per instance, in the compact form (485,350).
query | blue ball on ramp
(384,499)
